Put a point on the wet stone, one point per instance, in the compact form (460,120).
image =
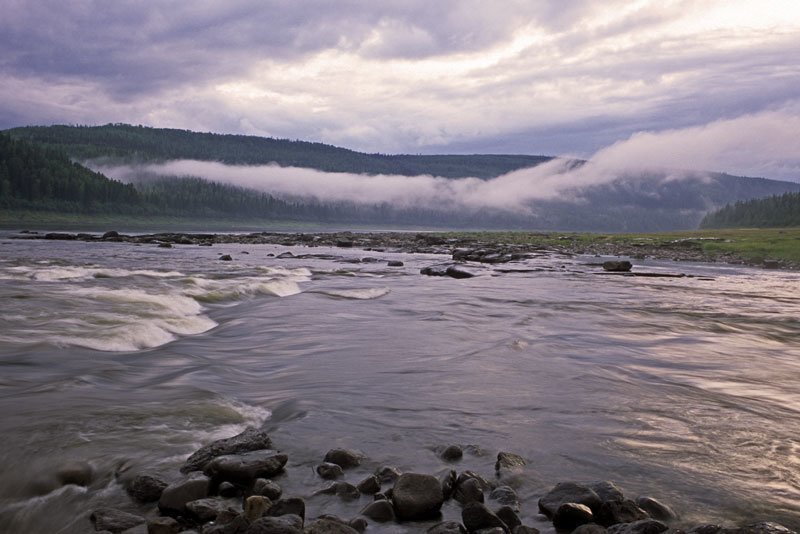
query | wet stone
(329,471)
(505,495)
(656,509)
(590,528)
(468,491)
(380,511)
(617,266)
(206,509)
(568,492)
(251,439)
(476,516)
(448,482)
(447,527)
(645,526)
(417,496)
(114,520)
(607,491)
(508,516)
(163,525)
(293,505)
(329,526)
(613,512)
(358,523)
(246,467)
(344,458)
(77,473)
(225,257)
(570,516)
(226,489)
(452,453)
(256,506)
(175,496)
(287,524)
(510,461)
(267,488)
(370,485)
(387,474)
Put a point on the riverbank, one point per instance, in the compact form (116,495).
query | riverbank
(770,248)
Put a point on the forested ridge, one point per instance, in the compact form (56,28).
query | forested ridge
(774,211)
(135,144)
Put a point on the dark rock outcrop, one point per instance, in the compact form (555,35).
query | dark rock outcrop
(251,439)
(568,492)
(114,520)
(655,508)
(344,458)
(246,467)
(146,488)
(175,496)
(417,496)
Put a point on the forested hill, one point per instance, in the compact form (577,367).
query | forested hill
(774,211)
(128,143)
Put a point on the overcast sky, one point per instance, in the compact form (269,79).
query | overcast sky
(555,77)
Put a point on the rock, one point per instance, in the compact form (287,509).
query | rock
(206,509)
(345,490)
(146,488)
(613,512)
(505,495)
(452,453)
(114,520)
(246,467)
(267,488)
(287,524)
(617,266)
(570,516)
(453,271)
(370,485)
(523,529)
(77,473)
(417,496)
(237,525)
(343,243)
(110,234)
(510,461)
(329,526)
(476,516)
(645,526)
(344,458)
(387,473)
(568,492)
(448,482)
(771,264)
(226,489)
(470,490)
(358,523)
(138,529)
(493,530)
(607,491)
(705,529)
(293,505)
(284,256)
(508,516)
(60,236)
(251,439)
(256,506)
(225,257)
(447,527)
(765,527)
(589,528)
(466,475)
(329,471)
(175,496)
(380,511)
(163,525)
(656,509)
(395,263)
(165,245)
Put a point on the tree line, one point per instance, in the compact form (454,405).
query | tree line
(774,211)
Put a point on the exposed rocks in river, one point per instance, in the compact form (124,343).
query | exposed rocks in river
(617,265)
(114,520)
(329,471)
(244,468)
(417,496)
(146,488)
(175,496)
(447,269)
(251,439)
(509,461)
(655,508)
(568,492)
(344,458)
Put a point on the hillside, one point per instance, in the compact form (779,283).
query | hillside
(774,211)
(126,143)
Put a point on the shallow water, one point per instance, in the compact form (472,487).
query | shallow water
(129,357)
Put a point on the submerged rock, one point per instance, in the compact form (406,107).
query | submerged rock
(344,458)
(370,485)
(417,496)
(251,439)
(570,516)
(114,520)
(656,509)
(509,461)
(246,467)
(329,471)
(175,496)
(568,492)
(451,453)
(225,257)
(505,495)
(77,473)
(146,488)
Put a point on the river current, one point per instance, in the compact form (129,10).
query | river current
(129,357)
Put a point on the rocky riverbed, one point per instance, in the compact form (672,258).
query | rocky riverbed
(232,486)
(463,247)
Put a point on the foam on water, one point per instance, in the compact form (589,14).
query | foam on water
(367,293)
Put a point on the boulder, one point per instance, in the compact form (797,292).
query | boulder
(395,263)
(451,453)
(470,490)
(645,526)
(293,506)
(570,516)
(251,439)
(448,482)
(656,509)
(508,516)
(625,511)
(447,527)
(344,458)
(246,467)
(370,485)
(417,496)
(387,473)
(380,511)
(329,471)
(267,488)
(163,525)
(618,266)
(607,491)
(287,524)
(505,495)
(146,488)
(568,492)
(509,461)
(175,496)
(77,473)
(225,257)
(114,520)
(476,516)
(206,509)
(256,506)
(329,526)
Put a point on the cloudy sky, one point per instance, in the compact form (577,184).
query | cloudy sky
(555,77)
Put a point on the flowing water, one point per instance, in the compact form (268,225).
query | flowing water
(130,357)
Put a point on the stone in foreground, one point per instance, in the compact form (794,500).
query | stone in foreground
(617,266)
(114,520)
(251,439)
(245,468)
(568,492)
(417,496)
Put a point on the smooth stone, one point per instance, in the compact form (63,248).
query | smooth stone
(256,506)
(417,496)
(570,516)
(344,458)
(77,473)
(477,516)
(509,460)
(292,505)
(251,439)
(284,255)
(452,453)
(568,492)
(448,482)
(469,491)
(237,525)
(163,525)
(447,527)
(645,526)
(225,257)
(395,263)
(370,485)
(508,516)
(617,266)
(345,490)
(613,512)
(246,467)
(165,245)
(226,489)
(358,523)
(267,488)
(329,526)
(175,496)
(329,471)
(505,495)
(206,509)
(493,530)
(607,491)
(286,524)
(110,234)
(656,509)
(387,474)
(114,520)
(466,475)
(380,511)
(590,528)
(146,488)
(524,529)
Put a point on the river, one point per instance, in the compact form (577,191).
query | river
(129,357)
